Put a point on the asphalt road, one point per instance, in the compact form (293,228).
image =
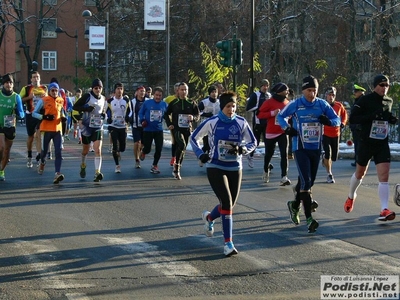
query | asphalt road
(138,235)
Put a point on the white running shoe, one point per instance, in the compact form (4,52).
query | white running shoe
(266,177)
(229,249)
(330,179)
(209,225)
(285,181)
(118,169)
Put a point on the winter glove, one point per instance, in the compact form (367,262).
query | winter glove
(290,131)
(204,158)
(324,120)
(341,125)
(103,116)
(144,124)
(48,117)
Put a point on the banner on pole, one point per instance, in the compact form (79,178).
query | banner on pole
(97,37)
(154,15)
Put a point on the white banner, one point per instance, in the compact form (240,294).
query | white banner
(97,37)
(154,15)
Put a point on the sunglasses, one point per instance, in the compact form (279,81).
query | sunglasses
(383,85)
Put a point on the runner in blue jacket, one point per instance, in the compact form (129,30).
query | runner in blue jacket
(308,114)
(226,134)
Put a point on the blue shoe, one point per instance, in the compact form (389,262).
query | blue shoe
(229,249)
(208,226)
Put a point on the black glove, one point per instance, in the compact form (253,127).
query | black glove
(324,120)
(237,150)
(103,116)
(88,108)
(204,158)
(341,125)
(290,131)
(48,117)
(392,119)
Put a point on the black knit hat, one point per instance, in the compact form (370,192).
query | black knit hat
(6,78)
(279,87)
(380,78)
(226,98)
(97,82)
(309,82)
(212,89)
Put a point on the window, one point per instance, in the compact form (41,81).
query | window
(49,28)
(50,2)
(49,60)
(90,2)
(91,58)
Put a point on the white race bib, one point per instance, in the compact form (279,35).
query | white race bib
(155,115)
(379,130)
(311,132)
(95,121)
(183,121)
(223,148)
(9,121)
(119,121)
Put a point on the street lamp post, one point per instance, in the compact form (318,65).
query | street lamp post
(87,14)
(60,30)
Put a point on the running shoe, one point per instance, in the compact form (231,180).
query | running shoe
(91,149)
(137,164)
(49,156)
(285,181)
(229,249)
(294,213)
(387,215)
(172,162)
(209,225)
(98,176)
(314,205)
(29,163)
(2,175)
(349,205)
(75,134)
(80,141)
(312,225)
(82,173)
(117,169)
(270,167)
(58,177)
(142,156)
(250,161)
(154,170)
(266,177)
(176,175)
(396,196)
(66,137)
(330,179)
(41,168)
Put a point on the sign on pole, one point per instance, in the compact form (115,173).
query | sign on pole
(97,37)
(154,15)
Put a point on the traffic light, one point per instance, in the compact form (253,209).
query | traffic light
(239,53)
(225,52)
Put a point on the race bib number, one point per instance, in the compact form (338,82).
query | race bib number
(379,130)
(311,132)
(183,121)
(155,115)
(9,121)
(95,121)
(119,121)
(223,148)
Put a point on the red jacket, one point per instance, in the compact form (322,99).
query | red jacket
(334,131)
(266,111)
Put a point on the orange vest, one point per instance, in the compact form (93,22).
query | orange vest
(54,107)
